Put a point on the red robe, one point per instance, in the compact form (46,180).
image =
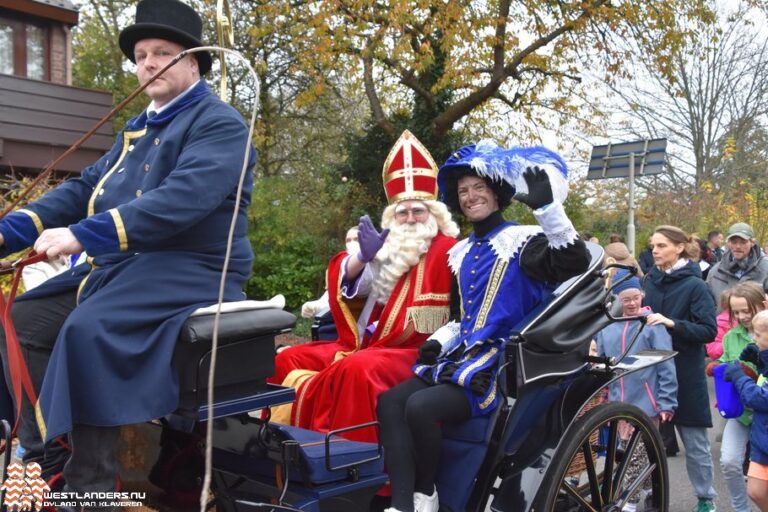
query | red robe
(345,393)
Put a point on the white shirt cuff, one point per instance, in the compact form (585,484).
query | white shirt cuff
(556,225)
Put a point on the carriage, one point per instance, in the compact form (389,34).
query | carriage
(551,445)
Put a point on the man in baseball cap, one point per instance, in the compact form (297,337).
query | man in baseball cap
(742,261)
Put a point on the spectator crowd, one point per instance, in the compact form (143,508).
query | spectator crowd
(709,298)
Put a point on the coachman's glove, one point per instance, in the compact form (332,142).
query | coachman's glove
(733,372)
(369,239)
(539,189)
(429,352)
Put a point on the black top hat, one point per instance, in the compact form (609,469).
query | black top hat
(171,20)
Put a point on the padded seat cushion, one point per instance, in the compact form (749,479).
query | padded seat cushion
(343,451)
(237,325)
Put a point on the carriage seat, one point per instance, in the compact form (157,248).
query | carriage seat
(246,350)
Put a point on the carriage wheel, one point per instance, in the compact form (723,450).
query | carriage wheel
(612,456)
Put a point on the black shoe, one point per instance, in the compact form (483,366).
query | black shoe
(671,453)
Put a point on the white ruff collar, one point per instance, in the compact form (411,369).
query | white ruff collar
(505,244)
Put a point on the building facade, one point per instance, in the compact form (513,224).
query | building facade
(41,114)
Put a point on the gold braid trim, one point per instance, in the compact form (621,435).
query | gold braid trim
(35,218)
(480,362)
(40,421)
(490,398)
(295,379)
(427,319)
(494,283)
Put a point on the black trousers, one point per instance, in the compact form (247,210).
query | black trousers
(91,464)
(410,415)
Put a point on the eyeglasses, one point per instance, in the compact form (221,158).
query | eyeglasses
(417,212)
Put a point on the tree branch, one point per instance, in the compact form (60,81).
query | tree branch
(373,98)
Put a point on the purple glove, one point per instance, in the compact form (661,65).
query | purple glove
(369,239)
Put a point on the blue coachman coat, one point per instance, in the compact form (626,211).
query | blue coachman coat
(153,215)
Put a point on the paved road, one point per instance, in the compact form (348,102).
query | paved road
(682,498)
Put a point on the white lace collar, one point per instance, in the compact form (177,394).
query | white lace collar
(505,244)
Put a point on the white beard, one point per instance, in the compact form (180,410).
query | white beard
(402,249)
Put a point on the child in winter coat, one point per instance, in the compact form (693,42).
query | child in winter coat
(745,301)
(724,324)
(755,397)
(653,389)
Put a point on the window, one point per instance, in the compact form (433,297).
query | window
(23,49)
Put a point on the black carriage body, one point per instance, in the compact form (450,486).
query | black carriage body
(547,376)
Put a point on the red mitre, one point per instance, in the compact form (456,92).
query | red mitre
(409,171)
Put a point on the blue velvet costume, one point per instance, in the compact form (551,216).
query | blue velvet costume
(503,275)
(153,215)
(496,294)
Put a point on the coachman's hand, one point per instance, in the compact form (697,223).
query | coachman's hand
(369,239)
(57,242)
(539,189)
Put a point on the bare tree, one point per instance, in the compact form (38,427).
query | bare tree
(718,89)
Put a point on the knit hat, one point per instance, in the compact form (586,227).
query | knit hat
(632,282)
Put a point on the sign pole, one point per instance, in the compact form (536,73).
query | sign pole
(631,217)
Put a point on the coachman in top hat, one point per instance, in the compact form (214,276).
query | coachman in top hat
(152,215)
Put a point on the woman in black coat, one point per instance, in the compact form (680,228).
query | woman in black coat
(681,301)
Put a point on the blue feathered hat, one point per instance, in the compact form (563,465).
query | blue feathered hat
(502,169)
